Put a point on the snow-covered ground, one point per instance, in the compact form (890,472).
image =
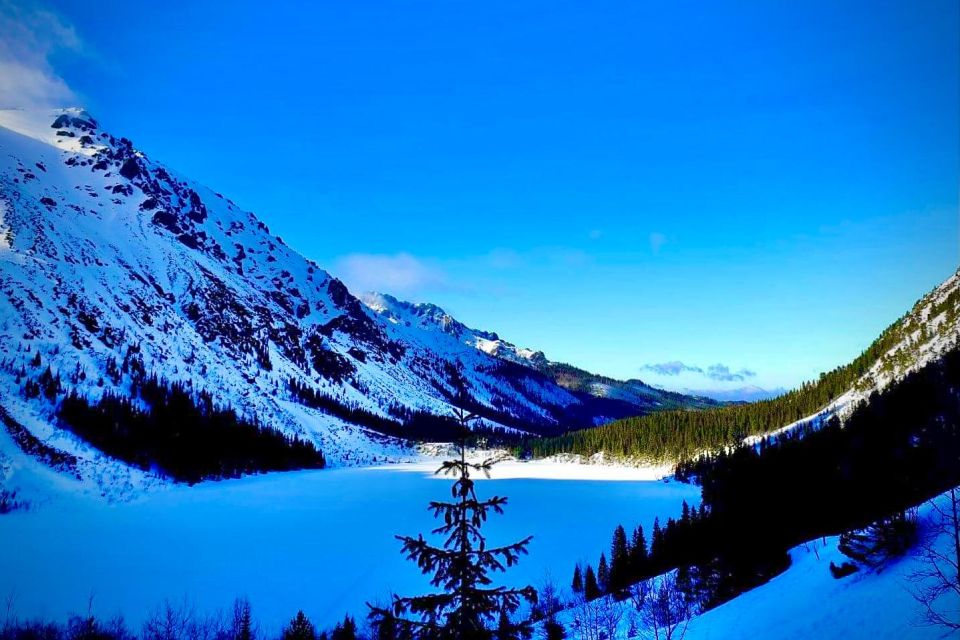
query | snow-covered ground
(806,601)
(321,541)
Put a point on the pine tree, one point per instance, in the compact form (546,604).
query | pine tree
(656,544)
(619,560)
(577,585)
(603,574)
(879,541)
(505,628)
(554,630)
(639,558)
(300,629)
(386,628)
(685,585)
(467,605)
(346,630)
(242,620)
(591,590)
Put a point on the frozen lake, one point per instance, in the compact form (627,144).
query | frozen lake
(321,541)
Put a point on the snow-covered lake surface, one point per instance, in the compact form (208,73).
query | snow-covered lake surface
(321,541)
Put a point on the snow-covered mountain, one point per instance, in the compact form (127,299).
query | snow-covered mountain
(429,318)
(748,393)
(632,395)
(922,335)
(114,267)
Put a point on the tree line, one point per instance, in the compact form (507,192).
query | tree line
(178,622)
(401,422)
(182,433)
(670,436)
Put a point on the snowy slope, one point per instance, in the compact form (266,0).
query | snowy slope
(924,334)
(921,336)
(806,601)
(425,319)
(431,318)
(113,265)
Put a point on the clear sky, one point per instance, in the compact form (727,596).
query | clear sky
(761,186)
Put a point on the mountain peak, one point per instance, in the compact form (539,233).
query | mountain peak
(424,315)
(71,129)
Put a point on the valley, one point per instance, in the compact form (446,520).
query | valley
(194,412)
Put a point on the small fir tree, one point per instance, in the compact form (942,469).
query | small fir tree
(300,629)
(619,560)
(467,605)
(603,574)
(242,620)
(554,630)
(639,558)
(346,630)
(577,584)
(591,590)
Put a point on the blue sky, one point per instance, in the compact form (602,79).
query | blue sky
(758,186)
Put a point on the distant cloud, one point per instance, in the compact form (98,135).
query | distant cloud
(504,259)
(673,368)
(29,36)
(400,274)
(722,373)
(657,240)
(717,372)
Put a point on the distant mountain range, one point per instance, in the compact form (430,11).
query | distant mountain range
(749,393)
(115,268)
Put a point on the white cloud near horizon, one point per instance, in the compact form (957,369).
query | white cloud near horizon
(716,372)
(29,37)
(397,274)
(417,278)
(672,368)
(723,373)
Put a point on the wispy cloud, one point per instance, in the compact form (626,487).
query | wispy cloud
(29,37)
(400,274)
(657,240)
(723,373)
(717,372)
(504,259)
(673,368)
(418,278)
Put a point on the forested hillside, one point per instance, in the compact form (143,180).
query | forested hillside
(681,434)
(859,479)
